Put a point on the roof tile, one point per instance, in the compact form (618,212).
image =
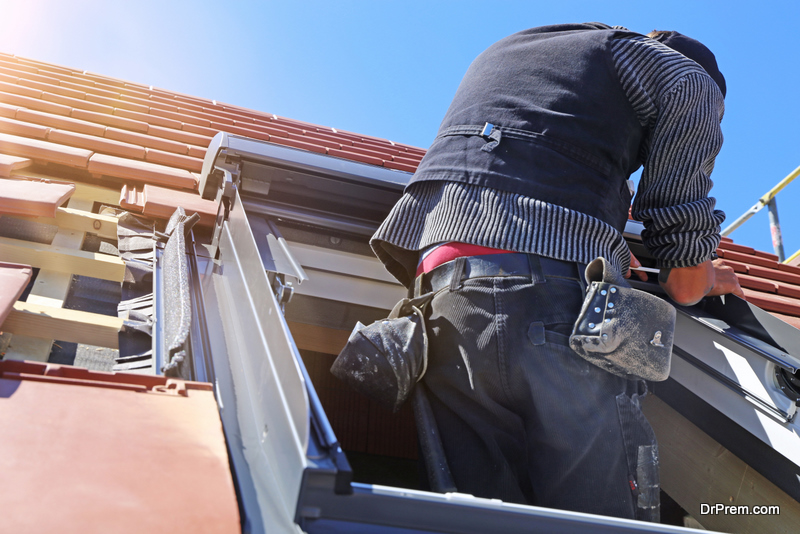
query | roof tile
(8,79)
(768,255)
(8,111)
(74,83)
(34,103)
(760,284)
(117,103)
(50,88)
(76,103)
(788,291)
(33,198)
(773,303)
(149,119)
(60,121)
(179,117)
(29,76)
(131,197)
(15,127)
(363,158)
(8,164)
(110,120)
(174,160)
(17,66)
(774,274)
(196,151)
(794,321)
(398,166)
(96,144)
(298,144)
(161,203)
(200,130)
(180,135)
(238,130)
(794,269)
(20,90)
(744,258)
(43,150)
(141,171)
(145,140)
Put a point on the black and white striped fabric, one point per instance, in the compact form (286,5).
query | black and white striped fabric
(679,106)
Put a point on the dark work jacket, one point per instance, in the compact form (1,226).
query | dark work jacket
(564,131)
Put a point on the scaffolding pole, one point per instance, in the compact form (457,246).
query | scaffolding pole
(763,201)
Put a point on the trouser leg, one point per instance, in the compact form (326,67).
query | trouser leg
(525,419)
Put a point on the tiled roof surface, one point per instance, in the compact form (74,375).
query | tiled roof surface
(144,142)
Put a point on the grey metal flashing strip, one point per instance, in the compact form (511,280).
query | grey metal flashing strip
(275,255)
(235,146)
(734,386)
(349,225)
(384,509)
(763,349)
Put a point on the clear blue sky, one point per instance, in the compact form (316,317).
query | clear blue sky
(389,68)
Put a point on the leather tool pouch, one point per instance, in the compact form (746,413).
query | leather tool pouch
(385,359)
(622,330)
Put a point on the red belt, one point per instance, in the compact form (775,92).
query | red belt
(451,251)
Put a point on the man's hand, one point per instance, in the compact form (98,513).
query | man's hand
(634,264)
(687,285)
(725,280)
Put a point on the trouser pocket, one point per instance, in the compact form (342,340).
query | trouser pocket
(641,451)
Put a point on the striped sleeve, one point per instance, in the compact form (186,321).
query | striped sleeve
(680,108)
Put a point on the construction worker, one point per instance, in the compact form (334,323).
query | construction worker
(525,183)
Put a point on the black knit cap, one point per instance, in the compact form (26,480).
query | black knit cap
(696,51)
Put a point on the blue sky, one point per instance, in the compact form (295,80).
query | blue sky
(389,68)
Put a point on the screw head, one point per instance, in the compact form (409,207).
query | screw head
(597,310)
(610,304)
(603,292)
(613,289)
(591,325)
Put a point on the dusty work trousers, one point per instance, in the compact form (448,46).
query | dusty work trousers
(525,419)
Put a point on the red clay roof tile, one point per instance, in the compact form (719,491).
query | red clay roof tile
(794,321)
(238,130)
(27,76)
(60,121)
(8,164)
(25,129)
(298,144)
(200,130)
(110,120)
(33,198)
(76,103)
(14,279)
(180,135)
(43,150)
(145,140)
(96,144)
(749,259)
(149,119)
(8,79)
(131,197)
(794,269)
(786,290)
(196,151)
(773,303)
(399,166)
(50,88)
(774,274)
(141,171)
(768,255)
(363,158)
(34,103)
(180,117)
(17,66)
(174,160)
(8,111)
(760,284)
(18,89)
(117,103)
(161,203)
